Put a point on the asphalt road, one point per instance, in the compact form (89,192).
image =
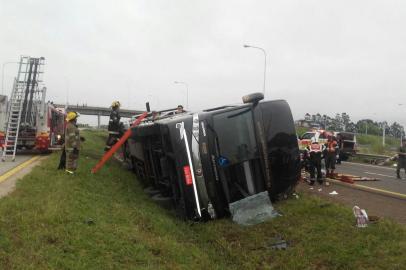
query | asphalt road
(386,176)
(8,164)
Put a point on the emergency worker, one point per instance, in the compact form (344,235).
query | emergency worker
(179,109)
(72,142)
(331,149)
(155,115)
(314,154)
(401,158)
(115,128)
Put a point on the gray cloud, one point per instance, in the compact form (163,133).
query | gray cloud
(325,56)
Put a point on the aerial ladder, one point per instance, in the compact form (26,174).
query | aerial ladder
(20,107)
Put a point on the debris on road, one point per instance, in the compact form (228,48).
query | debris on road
(360,216)
(351,179)
(365,179)
(89,221)
(333,192)
(373,219)
(278,243)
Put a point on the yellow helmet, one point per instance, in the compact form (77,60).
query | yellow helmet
(71,116)
(115,104)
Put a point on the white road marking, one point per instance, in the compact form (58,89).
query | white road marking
(391,176)
(368,165)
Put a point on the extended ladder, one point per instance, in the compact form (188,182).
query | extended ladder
(25,85)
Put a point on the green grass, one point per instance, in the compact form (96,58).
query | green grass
(105,221)
(372,144)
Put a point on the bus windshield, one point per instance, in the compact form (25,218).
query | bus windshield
(236,137)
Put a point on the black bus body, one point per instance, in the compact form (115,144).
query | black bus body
(206,160)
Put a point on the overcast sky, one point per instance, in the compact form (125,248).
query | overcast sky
(323,56)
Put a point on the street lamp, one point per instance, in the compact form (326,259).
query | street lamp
(2,75)
(259,48)
(187,92)
(403,129)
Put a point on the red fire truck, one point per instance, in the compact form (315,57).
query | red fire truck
(30,122)
(47,132)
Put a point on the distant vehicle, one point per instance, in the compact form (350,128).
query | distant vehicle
(306,139)
(204,161)
(347,143)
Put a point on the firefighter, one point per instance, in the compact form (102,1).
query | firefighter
(179,109)
(115,128)
(331,149)
(401,158)
(72,142)
(314,154)
(155,115)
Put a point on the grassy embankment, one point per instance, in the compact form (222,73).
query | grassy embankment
(105,221)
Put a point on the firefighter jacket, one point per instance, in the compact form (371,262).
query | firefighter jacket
(72,138)
(331,146)
(114,122)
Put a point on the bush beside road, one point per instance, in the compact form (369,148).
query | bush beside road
(105,221)
(371,144)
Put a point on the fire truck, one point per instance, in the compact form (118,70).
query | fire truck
(306,139)
(31,123)
(347,142)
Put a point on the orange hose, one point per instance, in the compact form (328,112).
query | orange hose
(120,142)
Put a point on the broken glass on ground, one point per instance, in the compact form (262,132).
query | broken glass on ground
(253,210)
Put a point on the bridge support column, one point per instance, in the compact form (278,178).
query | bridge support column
(98,120)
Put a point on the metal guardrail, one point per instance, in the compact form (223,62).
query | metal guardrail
(372,156)
(374,159)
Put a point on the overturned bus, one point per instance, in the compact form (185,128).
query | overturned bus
(202,162)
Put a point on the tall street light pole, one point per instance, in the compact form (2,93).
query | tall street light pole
(187,92)
(2,75)
(402,129)
(263,50)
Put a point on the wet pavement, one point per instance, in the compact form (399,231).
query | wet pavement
(386,176)
(9,165)
(374,203)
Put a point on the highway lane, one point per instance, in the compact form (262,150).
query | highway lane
(386,176)
(8,165)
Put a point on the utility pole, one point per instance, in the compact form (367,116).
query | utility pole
(383,133)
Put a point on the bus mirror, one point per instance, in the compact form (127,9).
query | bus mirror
(253,98)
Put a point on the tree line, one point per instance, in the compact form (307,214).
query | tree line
(342,122)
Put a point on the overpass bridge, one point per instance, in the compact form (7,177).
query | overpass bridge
(98,111)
